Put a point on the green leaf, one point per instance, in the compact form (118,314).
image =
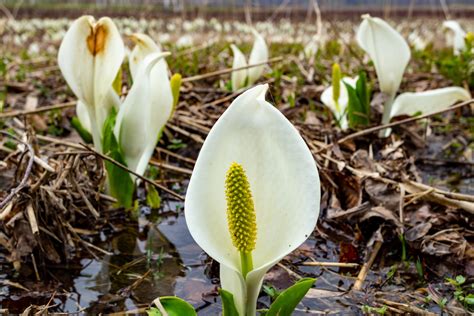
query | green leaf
(117,84)
(154,312)
(121,185)
(175,83)
(419,269)
(271,291)
(356,113)
(287,301)
(153,197)
(85,135)
(175,306)
(228,304)
(469,299)
(363,93)
(460,279)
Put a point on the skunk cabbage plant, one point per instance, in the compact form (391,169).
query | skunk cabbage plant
(241,211)
(336,98)
(148,106)
(426,102)
(455,36)
(90,57)
(390,55)
(259,54)
(144,113)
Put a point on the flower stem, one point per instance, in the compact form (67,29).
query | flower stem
(246,262)
(387,111)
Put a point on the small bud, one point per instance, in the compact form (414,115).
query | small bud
(175,83)
(470,38)
(336,82)
(241,215)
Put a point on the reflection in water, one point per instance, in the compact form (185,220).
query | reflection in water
(164,253)
(143,265)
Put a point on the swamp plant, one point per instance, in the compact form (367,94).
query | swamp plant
(390,54)
(259,54)
(90,58)
(255,165)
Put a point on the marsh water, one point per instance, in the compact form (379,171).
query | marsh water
(151,254)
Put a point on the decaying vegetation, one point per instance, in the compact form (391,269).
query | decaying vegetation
(394,234)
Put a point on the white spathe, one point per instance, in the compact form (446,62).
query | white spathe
(426,102)
(417,41)
(160,82)
(311,48)
(83,116)
(259,54)
(110,101)
(388,50)
(144,113)
(238,77)
(89,57)
(144,46)
(390,54)
(456,37)
(340,113)
(284,182)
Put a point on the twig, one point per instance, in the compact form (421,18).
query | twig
(38,110)
(88,244)
(412,309)
(14,284)
(365,268)
(290,272)
(58,141)
(164,165)
(32,218)
(432,195)
(35,267)
(89,205)
(175,155)
(22,184)
(416,196)
(330,264)
(171,192)
(453,195)
(229,70)
(160,307)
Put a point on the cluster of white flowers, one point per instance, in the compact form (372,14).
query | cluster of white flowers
(44,35)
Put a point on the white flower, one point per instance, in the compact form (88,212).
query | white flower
(283,181)
(426,102)
(258,55)
(185,41)
(89,57)
(416,41)
(388,50)
(456,36)
(339,110)
(144,112)
(390,54)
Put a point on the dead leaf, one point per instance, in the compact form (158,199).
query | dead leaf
(383,213)
(418,231)
(361,160)
(349,190)
(382,193)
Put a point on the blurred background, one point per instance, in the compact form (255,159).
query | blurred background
(295,10)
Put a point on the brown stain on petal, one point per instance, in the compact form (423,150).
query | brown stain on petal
(97,39)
